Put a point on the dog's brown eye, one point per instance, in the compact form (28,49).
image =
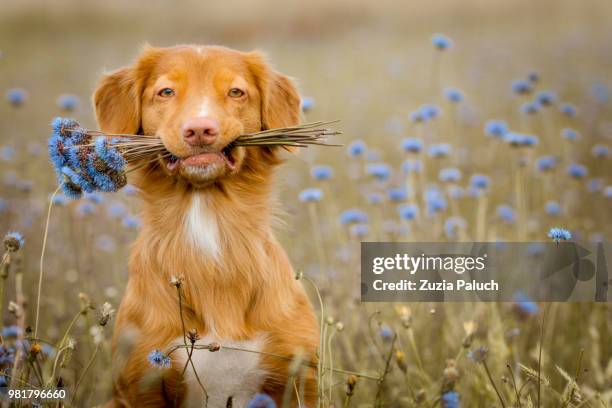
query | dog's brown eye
(236,93)
(166,92)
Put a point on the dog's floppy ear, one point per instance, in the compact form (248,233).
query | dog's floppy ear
(117,102)
(280,100)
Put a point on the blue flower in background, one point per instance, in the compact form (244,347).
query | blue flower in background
(577,170)
(558,234)
(68,102)
(380,171)
(546,98)
(506,213)
(441,42)
(429,111)
(310,195)
(520,140)
(533,76)
(322,172)
(412,145)
(397,194)
(359,230)
(545,163)
(601,93)
(352,216)
(7,153)
(11,332)
(449,175)
(521,86)
(453,95)
(525,304)
(94,198)
(496,128)
(356,148)
(595,184)
(570,134)
(411,166)
(480,181)
(408,212)
(59,200)
(439,150)
(452,225)
(568,110)
(552,208)
(530,108)
(600,151)
(435,201)
(450,399)
(375,198)
(116,210)
(131,222)
(130,190)
(417,116)
(17,96)
(261,401)
(158,359)
(85,208)
(307,104)
(386,332)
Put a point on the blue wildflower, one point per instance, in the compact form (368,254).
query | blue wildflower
(435,201)
(520,140)
(322,172)
(408,212)
(7,153)
(525,304)
(7,358)
(130,190)
(439,150)
(455,192)
(570,134)
(359,230)
(105,243)
(496,128)
(85,208)
(159,359)
(68,102)
(453,95)
(417,116)
(59,200)
(62,126)
(353,216)
(94,198)
(568,110)
(450,175)
(105,180)
(109,155)
(310,195)
(131,222)
(429,111)
(381,171)
(386,332)
(116,210)
(441,42)
(412,145)
(397,194)
(559,234)
(56,153)
(595,184)
(506,213)
(11,332)
(577,170)
(261,401)
(545,163)
(356,148)
(13,241)
(546,98)
(600,151)
(411,166)
(452,225)
(306,104)
(521,86)
(552,208)
(530,108)
(375,198)
(480,181)
(533,76)
(17,96)
(450,399)
(600,92)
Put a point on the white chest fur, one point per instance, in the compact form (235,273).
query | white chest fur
(201,226)
(227,373)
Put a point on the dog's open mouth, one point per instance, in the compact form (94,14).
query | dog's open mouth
(203,160)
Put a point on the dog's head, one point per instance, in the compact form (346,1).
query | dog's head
(198,100)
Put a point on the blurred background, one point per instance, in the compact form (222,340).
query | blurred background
(415,85)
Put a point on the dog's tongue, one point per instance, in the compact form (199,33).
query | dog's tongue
(202,160)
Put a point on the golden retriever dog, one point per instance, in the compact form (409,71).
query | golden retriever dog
(206,219)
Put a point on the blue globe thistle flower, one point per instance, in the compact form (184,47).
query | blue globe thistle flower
(380,171)
(68,102)
(359,230)
(57,154)
(595,184)
(546,98)
(568,110)
(506,213)
(103,179)
(322,172)
(411,166)
(429,111)
(552,208)
(558,234)
(131,222)
(452,225)
(261,401)
(607,192)
(130,190)
(520,140)
(496,128)
(356,148)
(16,96)
(480,181)
(412,145)
(59,200)
(13,241)
(7,153)
(353,216)
(435,202)
(310,195)
(524,303)
(7,359)
(521,86)
(158,359)
(546,163)
(94,198)
(530,108)
(116,210)
(408,212)
(386,332)
(600,92)
(375,198)
(533,76)
(455,192)
(108,154)
(441,42)
(450,399)
(307,104)
(449,175)
(397,194)
(577,170)
(62,126)
(439,150)
(74,184)
(478,355)
(453,95)
(417,116)
(11,332)
(85,208)
(105,243)
(600,151)
(570,134)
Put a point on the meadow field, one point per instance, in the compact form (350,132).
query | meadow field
(462,121)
